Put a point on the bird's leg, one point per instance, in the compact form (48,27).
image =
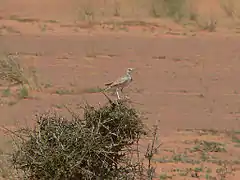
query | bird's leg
(123,93)
(122,90)
(117,93)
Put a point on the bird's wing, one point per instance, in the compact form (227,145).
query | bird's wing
(108,84)
(119,81)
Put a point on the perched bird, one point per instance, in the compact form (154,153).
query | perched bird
(121,82)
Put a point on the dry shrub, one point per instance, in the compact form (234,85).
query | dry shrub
(12,72)
(229,7)
(6,171)
(175,9)
(209,24)
(81,148)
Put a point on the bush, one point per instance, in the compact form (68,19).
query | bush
(174,9)
(81,148)
(12,72)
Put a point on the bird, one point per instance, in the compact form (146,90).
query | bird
(121,82)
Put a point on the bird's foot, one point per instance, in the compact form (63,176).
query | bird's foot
(127,97)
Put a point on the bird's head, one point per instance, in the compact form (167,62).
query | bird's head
(129,70)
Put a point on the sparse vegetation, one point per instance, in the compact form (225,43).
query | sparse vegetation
(170,8)
(6,92)
(64,91)
(164,177)
(23,92)
(24,20)
(228,7)
(43,27)
(9,29)
(86,13)
(17,81)
(116,9)
(12,72)
(47,85)
(205,146)
(236,139)
(180,11)
(209,25)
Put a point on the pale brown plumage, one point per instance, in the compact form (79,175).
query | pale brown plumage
(121,82)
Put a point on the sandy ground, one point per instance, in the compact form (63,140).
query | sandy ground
(185,79)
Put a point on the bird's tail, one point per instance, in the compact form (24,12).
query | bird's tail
(106,88)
